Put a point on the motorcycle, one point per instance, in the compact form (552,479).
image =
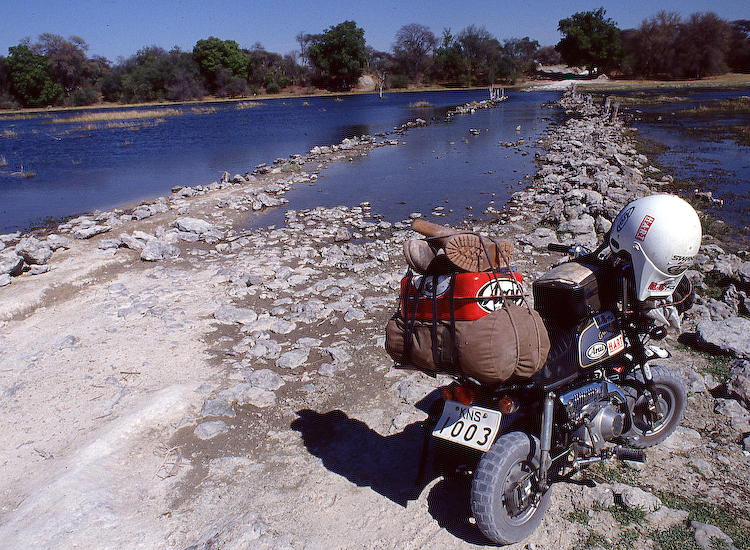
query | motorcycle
(599,396)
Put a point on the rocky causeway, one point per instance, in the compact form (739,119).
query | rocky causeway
(171,380)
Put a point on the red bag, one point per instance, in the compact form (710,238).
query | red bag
(469,296)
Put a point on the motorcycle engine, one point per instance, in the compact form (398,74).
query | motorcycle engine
(596,413)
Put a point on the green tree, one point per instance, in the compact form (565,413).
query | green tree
(590,40)
(340,55)
(548,55)
(67,59)
(703,46)
(297,73)
(31,79)
(484,57)
(7,101)
(739,48)
(215,56)
(154,74)
(79,76)
(522,52)
(449,65)
(413,49)
(267,69)
(653,48)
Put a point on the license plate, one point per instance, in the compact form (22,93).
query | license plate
(475,427)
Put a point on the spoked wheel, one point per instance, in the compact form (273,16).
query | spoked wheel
(504,497)
(654,426)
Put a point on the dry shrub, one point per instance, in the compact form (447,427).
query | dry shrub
(247,104)
(120,115)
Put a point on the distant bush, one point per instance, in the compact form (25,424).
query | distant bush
(247,104)
(399,81)
(7,101)
(272,88)
(119,115)
(84,96)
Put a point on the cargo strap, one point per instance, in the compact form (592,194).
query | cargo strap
(433,326)
(411,317)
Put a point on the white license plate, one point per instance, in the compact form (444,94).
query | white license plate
(475,427)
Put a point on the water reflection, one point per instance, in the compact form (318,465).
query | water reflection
(441,165)
(80,169)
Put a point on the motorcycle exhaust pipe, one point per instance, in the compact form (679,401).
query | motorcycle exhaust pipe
(546,439)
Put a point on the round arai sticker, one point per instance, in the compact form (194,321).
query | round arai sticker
(496,292)
(596,351)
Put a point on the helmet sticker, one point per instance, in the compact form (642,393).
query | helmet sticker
(625,217)
(644,227)
(661,286)
(678,264)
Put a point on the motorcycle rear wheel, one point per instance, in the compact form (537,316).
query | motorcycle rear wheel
(504,497)
(671,400)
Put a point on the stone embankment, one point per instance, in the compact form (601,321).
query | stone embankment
(236,393)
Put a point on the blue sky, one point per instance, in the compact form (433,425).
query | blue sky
(118,28)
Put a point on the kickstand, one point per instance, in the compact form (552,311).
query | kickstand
(424,454)
(433,415)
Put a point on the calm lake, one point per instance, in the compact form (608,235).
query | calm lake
(699,148)
(82,166)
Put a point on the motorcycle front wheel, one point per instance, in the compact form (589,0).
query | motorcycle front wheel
(504,496)
(671,400)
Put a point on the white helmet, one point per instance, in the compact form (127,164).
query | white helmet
(662,235)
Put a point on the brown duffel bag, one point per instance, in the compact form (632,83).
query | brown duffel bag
(509,341)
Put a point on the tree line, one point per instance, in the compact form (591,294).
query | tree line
(56,71)
(665,45)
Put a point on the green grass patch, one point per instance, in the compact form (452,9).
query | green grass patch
(733,522)
(719,544)
(650,148)
(618,472)
(733,105)
(627,540)
(578,516)
(628,516)
(717,366)
(678,537)
(595,540)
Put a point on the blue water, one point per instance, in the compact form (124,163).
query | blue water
(79,170)
(442,165)
(697,153)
